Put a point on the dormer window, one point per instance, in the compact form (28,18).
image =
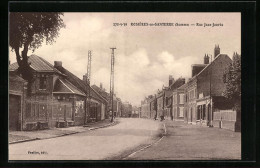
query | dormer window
(43,82)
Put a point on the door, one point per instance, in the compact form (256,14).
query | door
(191,114)
(209,115)
(14,112)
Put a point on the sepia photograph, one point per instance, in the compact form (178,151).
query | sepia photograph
(124,86)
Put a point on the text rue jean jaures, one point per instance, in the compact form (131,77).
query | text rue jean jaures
(165,24)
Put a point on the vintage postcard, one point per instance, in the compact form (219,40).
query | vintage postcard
(124,86)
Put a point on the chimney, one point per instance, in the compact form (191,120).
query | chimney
(216,51)
(85,78)
(101,87)
(206,59)
(171,80)
(57,64)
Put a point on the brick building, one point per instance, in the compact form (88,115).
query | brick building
(153,105)
(203,92)
(17,95)
(104,94)
(42,108)
(95,104)
(178,99)
(56,99)
(145,108)
(160,97)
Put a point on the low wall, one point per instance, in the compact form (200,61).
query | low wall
(79,121)
(230,125)
(225,119)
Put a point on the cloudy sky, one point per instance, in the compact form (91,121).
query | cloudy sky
(145,55)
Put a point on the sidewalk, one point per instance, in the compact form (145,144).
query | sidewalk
(193,142)
(22,136)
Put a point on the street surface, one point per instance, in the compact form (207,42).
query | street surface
(136,139)
(98,144)
(193,142)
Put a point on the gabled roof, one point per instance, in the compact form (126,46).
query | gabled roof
(177,83)
(168,93)
(84,87)
(103,93)
(199,65)
(207,67)
(64,86)
(14,77)
(218,57)
(183,86)
(36,63)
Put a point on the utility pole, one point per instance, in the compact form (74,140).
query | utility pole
(88,83)
(89,66)
(112,81)
(210,96)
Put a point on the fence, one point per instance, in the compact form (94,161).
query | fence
(226,115)
(43,111)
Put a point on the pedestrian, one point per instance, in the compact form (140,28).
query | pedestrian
(162,117)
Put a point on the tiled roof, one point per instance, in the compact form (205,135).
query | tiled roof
(182,86)
(80,83)
(177,83)
(168,93)
(103,93)
(36,63)
(64,86)
(14,77)
(218,57)
(208,65)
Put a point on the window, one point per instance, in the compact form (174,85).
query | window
(43,82)
(181,112)
(181,98)
(175,99)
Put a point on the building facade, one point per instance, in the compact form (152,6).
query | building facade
(203,92)
(126,109)
(55,97)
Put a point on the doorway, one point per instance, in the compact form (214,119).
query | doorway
(14,112)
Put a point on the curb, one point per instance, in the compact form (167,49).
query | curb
(34,139)
(103,126)
(27,140)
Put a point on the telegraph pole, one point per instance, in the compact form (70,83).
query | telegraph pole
(112,81)
(210,96)
(89,66)
(88,82)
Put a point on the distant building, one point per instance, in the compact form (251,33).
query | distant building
(160,103)
(126,109)
(178,99)
(146,106)
(95,105)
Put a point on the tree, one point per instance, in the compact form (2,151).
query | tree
(232,80)
(28,31)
